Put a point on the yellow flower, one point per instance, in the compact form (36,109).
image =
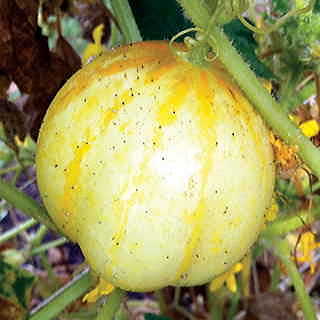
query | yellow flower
(94,49)
(310,128)
(306,248)
(228,278)
(103,288)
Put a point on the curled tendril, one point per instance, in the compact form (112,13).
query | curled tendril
(183,32)
(280,21)
(193,43)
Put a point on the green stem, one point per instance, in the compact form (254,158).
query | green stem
(46,246)
(111,306)
(55,304)
(16,230)
(38,237)
(176,298)
(282,250)
(216,302)
(198,13)
(24,203)
(234,303)
(161,301)
(125,19)
(269,109)
(284,225)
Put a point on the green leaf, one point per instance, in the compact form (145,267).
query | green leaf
(316,7)
(159,20)
(281,6)
(152,316)
(15,288)
(242,38)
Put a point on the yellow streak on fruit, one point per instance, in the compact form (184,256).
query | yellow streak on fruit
(216,241)
(196,222)
(168,110)
(72,176)
(121,207)
(73,169)
(205,115)
(112,112)
(205,110)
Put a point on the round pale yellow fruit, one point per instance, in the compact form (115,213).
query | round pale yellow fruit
(159,169)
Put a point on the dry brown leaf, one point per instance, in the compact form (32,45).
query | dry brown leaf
(25,58)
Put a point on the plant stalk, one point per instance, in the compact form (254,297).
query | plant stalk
(125,19)
(16,230)
(111,306)
(282,249)
(56,303)
(26,204)
(288,223)
(49,245)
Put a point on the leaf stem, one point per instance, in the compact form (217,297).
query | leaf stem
(111,306)
(216,302)
(56,303)
(38,236)
(125,19)
(24,203)
(161,301)
(16,230)
(49,245)
(291,222)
